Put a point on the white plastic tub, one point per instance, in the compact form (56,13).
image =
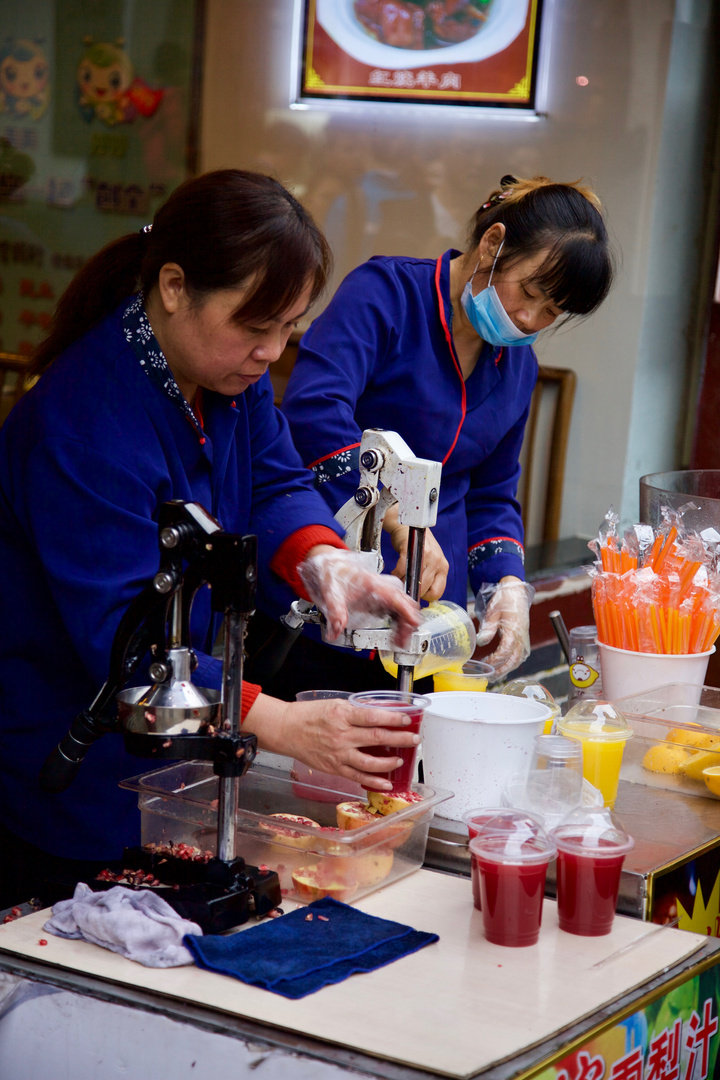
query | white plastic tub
(473,743)
(625,672)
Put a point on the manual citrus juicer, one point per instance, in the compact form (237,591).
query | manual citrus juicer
(174,719)
(390,474)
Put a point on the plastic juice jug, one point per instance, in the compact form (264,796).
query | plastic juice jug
(452,639)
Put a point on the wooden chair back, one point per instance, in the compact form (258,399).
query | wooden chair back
(550,416)
(11,388)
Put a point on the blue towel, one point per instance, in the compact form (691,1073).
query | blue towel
(294,956)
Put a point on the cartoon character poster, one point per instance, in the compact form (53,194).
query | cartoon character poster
(108,88)
(98,123)
(24,79)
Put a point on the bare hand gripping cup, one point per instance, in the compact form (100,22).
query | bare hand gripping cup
(312,784)
(592,846)
(413,705)
(602,731)
(512,857)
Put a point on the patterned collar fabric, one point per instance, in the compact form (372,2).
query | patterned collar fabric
(139,335)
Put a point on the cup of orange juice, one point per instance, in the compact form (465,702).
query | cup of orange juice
(602,732)
(473,675)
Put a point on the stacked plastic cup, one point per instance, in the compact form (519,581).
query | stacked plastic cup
(511,856)
(592,846)
(475,820)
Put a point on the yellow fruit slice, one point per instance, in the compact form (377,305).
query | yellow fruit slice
(701,739)
(711,777)
(665,758)
(697,763)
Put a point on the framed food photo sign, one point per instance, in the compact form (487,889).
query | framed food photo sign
(441,52)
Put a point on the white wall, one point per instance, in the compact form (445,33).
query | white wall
(635,131)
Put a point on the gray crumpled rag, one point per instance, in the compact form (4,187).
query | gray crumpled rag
(139,925)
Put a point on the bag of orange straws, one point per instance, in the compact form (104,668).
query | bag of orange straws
(656,590)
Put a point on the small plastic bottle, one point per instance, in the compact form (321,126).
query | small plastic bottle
(585,674)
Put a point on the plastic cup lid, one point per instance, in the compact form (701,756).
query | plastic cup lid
(513,848)
(534,691)
(515,837)
(594,720)
(592,829)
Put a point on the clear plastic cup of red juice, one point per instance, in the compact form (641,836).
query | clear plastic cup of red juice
(592,846)
(413,706)
(476,820)
(512,862)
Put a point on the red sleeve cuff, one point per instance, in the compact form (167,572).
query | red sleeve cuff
(249,694)
(293,550)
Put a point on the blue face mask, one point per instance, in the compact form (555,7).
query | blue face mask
(488,317)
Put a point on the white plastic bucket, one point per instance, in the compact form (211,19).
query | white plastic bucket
(625,673)
(472,743)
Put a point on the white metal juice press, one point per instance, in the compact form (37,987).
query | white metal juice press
(389,474)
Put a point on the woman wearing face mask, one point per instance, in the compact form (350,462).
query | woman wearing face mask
(441,352)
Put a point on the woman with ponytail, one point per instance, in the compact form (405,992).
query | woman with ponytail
(441,352)
(153,386)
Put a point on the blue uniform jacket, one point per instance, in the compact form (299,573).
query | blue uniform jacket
(381,355)
(86,459)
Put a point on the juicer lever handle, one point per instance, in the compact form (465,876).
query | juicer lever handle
(62,763)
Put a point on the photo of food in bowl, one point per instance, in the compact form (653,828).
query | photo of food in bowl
(407,34)
(422,24)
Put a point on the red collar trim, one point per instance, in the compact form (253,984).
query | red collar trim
(456,362)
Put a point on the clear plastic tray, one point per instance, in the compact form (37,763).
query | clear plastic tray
(178,804)
(670,725)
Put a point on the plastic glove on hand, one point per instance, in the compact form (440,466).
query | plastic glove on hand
(504,609)
(342,586)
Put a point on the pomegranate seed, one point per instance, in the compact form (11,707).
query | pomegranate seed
(42,941)
(323,918)
(309,917)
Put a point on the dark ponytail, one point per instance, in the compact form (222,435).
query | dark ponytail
(225,229)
